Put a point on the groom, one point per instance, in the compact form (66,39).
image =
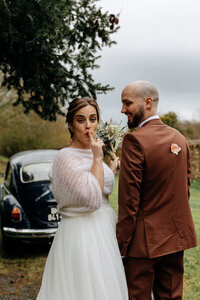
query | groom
(155,223)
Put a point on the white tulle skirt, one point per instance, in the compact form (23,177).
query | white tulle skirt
(84,262)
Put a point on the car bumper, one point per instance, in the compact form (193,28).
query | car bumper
(29,233)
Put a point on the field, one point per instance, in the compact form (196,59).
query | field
(192,256)
(21,271)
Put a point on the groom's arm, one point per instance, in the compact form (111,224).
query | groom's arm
(130,179)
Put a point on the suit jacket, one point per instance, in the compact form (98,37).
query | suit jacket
(154,212)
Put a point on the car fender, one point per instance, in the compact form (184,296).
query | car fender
(8,203)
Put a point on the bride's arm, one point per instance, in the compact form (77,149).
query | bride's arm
(71,177)
(97,165)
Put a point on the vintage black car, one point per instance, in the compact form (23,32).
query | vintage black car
(27,207)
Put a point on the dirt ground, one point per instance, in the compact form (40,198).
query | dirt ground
(21,271)
(9,291)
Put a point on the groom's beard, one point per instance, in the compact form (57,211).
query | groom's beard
(137,118)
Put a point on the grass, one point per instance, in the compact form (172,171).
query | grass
(191,290)
(3,159)
(114,197)
(192,257)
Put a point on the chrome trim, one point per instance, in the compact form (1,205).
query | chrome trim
(6,190)
(42,195)
(29,233)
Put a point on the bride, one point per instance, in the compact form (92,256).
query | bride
(84,261)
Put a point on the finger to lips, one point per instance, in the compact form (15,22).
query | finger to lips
(90,136)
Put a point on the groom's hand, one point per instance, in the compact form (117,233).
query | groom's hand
(114,164)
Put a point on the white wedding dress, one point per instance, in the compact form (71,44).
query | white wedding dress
(84,261)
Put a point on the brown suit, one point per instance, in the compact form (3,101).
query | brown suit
(154,213)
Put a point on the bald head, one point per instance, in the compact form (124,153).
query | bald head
(139,102)
(144,89)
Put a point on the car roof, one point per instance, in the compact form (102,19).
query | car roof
(33,156)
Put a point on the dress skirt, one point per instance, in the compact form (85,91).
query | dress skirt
(84,261)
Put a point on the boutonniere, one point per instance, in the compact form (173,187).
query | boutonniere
(175,149)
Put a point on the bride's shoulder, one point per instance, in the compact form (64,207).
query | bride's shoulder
(66,154)
(64,150)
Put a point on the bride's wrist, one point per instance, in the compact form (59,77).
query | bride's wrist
(98,159)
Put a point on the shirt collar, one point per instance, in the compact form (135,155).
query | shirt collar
(147,120)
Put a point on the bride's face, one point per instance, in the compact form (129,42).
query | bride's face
(85,120)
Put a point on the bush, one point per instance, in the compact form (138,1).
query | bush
(19,132)
(195,184)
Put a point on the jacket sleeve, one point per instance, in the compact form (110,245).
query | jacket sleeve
(130,179)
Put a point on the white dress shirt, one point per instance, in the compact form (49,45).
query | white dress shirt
(147,120)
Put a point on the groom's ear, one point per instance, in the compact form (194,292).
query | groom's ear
(149,102)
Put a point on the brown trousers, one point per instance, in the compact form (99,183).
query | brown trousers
(162,275)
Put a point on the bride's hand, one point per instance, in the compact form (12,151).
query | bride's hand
(114,164)
(96,147)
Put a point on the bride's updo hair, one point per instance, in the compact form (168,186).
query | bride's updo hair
(77,104)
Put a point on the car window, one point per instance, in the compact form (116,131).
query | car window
(35,172)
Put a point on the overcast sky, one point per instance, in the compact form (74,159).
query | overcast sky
(158,41)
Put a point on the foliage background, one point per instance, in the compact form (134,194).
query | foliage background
(19,131)
(49,49)
(25,132)
(190,129)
